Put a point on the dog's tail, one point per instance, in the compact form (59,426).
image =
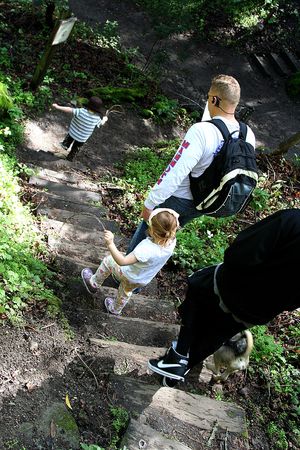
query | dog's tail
(249,338)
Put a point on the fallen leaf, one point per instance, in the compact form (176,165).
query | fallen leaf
(68,402)
(52,429)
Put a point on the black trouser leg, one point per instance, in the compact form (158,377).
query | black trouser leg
(74,150)
(67,141)
(205,326)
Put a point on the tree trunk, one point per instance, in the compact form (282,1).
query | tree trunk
(284,146)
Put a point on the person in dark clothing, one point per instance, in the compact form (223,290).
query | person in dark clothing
(257,281)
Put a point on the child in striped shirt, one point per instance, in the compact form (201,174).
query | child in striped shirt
(82,125)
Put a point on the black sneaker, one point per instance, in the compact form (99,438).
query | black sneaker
(169,382)
(86,275)
(172,365)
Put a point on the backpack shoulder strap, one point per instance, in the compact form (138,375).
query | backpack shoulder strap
(221,127)
(224,130)
(243,131)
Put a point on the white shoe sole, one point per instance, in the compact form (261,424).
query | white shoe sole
(86,286)
(166,374)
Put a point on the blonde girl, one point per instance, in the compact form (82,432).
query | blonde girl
(139,267)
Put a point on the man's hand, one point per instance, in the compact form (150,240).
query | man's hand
(104,119)
(108,237)
(146,213)
(55,105)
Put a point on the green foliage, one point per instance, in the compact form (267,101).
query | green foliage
(141,170)
(165,110)
(178,16)
(260,199)
(274,367)
(119,425)
(277,436)
(202,242)
(104,36)
(5,99)
(91,447)
(265,348)
(23,274)
(110,94)
(293,85)
(144,166)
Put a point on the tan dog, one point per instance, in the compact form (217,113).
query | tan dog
(232,356)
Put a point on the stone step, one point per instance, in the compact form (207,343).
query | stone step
(91,253)
(148,307)
(72,267)
(194,420)
(139,436)
(278,64)
(48,160)
(260,62)
(66,192)
(129,357)
(53,201)
(64,231)
(136,331)
(291,60)
(83,219)
(69,177)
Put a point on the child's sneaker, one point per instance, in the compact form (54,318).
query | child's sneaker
(86,275)
(109,305)
(64,146)
(172,365)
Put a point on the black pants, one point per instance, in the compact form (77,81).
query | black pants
(68,141)
(205,326)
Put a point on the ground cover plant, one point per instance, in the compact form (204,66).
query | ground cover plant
(24,274)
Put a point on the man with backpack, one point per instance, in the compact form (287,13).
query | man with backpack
(200,145)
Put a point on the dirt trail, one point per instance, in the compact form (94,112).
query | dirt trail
(190,66)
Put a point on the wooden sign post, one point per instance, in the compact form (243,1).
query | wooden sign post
(60,34)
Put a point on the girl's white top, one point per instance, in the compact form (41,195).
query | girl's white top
(151,258)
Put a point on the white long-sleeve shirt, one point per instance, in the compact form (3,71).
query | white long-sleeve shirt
(194,155)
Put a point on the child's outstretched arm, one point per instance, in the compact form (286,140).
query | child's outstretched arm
(122,260)
(66,109)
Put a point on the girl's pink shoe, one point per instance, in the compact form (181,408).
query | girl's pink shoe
(109,305)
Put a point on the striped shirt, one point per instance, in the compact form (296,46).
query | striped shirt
(83,124)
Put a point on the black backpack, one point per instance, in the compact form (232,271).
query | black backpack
(225,187)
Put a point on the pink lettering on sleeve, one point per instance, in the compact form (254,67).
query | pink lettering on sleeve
(177,156)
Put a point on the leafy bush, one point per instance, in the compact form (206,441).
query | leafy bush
(293,85)
(23,274)
(176,16)
(112,94)
(119,425)
(164,110)
(5,99)
(201,243)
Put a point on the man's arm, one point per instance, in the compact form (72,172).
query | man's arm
(187,156)
(119,257)
(66,109)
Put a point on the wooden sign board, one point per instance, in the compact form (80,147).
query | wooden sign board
(64,30)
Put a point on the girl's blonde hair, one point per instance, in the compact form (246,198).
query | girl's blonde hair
(163,227)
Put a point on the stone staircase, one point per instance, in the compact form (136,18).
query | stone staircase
(274,65)
(72,217)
